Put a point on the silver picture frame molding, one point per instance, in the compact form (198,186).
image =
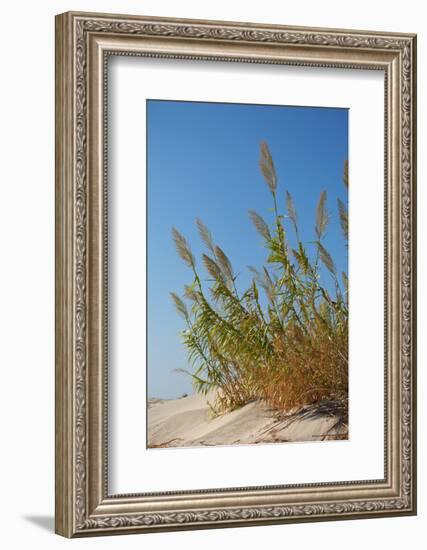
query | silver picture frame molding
(83,43)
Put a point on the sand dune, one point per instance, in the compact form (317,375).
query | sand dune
(188,422)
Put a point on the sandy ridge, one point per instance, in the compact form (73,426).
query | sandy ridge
(189,422)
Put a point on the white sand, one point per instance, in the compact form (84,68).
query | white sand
(189,422)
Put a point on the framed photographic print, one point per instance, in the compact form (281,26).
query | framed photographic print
(235,274)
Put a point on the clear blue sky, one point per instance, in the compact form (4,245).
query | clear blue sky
(203,162)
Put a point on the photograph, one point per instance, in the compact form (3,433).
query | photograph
(247,274)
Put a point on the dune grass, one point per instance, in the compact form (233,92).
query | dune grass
(283,340)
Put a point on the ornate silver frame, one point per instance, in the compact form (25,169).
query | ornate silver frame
(83,505)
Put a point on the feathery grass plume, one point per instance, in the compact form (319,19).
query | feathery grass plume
(343,218)
(179,305)
(205,235)
(292,213)
(260,225)
(268,285)
(213,268)
(345,174)
(190,293)
(322,216)
(183,249)
(267,167)
(255,272)
(326,259)
(268,277)
(224,263)
(302,260)
(345,281)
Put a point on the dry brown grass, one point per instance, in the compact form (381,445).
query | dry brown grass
(304,370)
